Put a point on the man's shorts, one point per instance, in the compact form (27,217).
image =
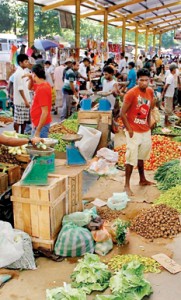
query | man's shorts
(21,114)
(138,147)
(168,105)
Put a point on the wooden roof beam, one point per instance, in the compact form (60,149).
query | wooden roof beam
(163,22)
(156,17)
(168,29)
(168,26)
(130,16)
(93,13)
(112,8)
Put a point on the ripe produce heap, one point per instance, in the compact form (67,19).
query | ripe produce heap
(157,222)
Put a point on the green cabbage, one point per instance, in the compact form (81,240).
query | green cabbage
(129,283)
(91,274)
(65,293)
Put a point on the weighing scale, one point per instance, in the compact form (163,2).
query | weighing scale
(104,103)
(74,157)
(86,102)
(42,163)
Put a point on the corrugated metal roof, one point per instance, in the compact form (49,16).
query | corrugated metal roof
(146,13)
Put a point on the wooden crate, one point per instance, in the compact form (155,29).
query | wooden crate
(102,120)
(13,171)
(74,174)
(3,182)
(38,210)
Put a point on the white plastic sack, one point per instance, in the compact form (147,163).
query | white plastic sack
(108,154)
(11,245)
(102,248)
(88,144)
(27,260)
(103,167)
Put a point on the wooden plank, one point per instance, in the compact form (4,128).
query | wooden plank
(44,220)
(80,193)
(26,211)
(18,216)
(89,121)
(34,220)
(104,128)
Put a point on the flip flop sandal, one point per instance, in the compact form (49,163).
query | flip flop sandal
(50,254)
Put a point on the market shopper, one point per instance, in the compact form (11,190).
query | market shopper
(21,94)
(42,102)
(109,84)
(131,75)
(168,93)
(58,74)
(122,65)
(135,114)
(83,73)
(69,90)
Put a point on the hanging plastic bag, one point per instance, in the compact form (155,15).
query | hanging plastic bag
(108,154)
(104,247)
(74,241)
(11,245)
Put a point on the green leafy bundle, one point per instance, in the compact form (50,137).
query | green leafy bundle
(91,274)
(172,178)
(65,293)
(172,198)
(129,283)
(162,171)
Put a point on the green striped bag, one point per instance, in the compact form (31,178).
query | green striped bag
(74,241)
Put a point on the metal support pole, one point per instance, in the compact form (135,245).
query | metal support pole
(77,29)
(123,35)
(30,23)
(154,40)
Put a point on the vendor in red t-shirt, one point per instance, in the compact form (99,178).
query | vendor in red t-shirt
(41,107)
(135,114)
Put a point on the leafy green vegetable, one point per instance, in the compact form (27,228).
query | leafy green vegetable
(129,282)
(61,146)
(172,178)
(121,230)
(65,293)
(91,274)
(105,297)
(162,170)
(172,198)
(71,124)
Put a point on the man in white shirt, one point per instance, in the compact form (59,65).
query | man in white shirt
(21,94)
(58,81)
(139,63)
(168,93)
(49,71)
(177,83)
(83,73)
(122,65)
(109,84)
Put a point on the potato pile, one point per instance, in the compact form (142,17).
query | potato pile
(156,222)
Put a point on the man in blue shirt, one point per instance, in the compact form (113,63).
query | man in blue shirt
(131,75)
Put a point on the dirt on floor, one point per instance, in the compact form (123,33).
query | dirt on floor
(32,285)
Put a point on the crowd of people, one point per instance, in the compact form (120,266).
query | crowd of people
(37,86)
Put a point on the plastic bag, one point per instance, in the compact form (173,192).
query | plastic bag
(104,247)
(108,154)
(118,201)
(103,167)
(101,235)
(11,245)
(74,241)
(78,218)
(88,144)
(26,261)
(95,224)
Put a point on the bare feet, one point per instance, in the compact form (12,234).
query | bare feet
(128,191)
(146,182)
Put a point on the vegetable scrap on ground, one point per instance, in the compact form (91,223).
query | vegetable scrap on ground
(163,150)
(157,222)
(150,265)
